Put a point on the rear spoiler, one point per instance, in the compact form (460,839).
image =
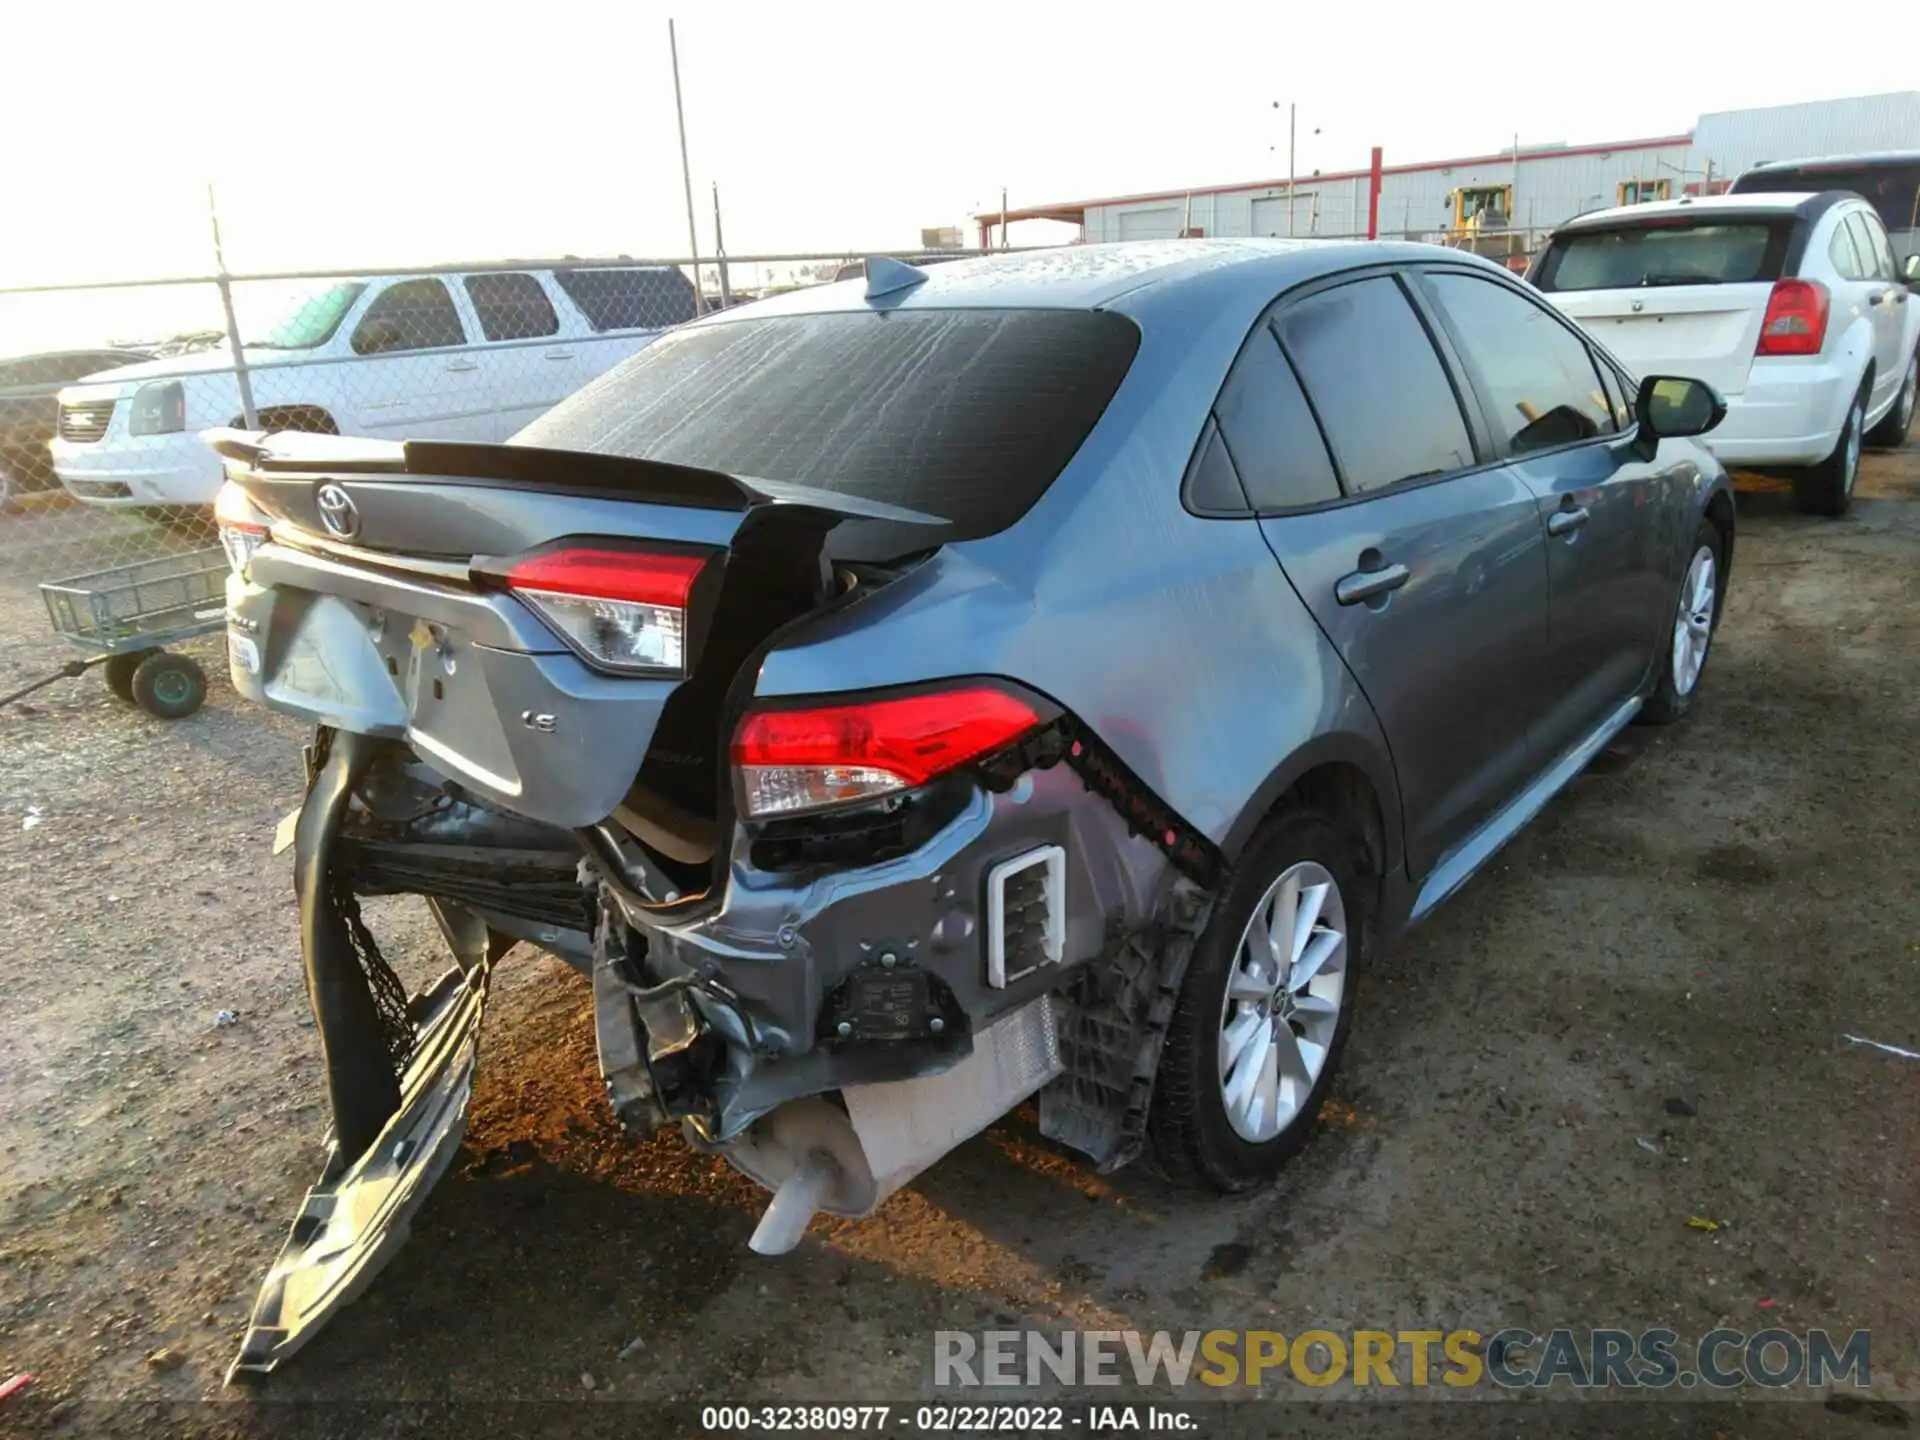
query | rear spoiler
(656,481)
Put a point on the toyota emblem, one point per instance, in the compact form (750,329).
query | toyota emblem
(337,511)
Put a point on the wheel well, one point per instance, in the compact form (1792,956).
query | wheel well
(313,419)
(1345,795)
(1720,516)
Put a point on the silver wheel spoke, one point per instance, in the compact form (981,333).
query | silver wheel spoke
(1311,1006)
(1324,946)
(1295,1067)
(1311,900)
(1236,1037)
(1265,1109)
(1246,985)
(1246,1075)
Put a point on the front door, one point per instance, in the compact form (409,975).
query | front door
(1608,518)
(1428,575)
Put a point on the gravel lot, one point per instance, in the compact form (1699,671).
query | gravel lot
(1702,918)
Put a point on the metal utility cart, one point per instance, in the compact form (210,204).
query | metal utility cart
(127,614)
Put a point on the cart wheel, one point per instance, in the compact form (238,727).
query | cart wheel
(119,672)
(169,687)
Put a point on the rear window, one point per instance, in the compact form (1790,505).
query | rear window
(629,299)
(1703,252)
(1894,190)
(963,414)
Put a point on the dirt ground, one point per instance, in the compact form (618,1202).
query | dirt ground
(1702,918)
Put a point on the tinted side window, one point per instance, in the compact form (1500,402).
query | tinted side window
(1845,254)
(512,307)
(1212,487)
(1881,266)
(413,315)
(1538,374)
(1270,432)
(1376,383)
(629,299)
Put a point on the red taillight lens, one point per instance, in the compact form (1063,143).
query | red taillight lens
(243,529)
(791,761)
(1796,320)
(621,609)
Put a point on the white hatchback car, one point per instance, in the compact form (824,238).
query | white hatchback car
(451,357)
(1788,305)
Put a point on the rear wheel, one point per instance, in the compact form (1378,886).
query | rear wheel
(1263,1011)
(1891,432)
(1696,616)
(169,687)
(1827,488)
(120,669)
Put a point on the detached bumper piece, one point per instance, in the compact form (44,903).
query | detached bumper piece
(359,1213)
(399,1077)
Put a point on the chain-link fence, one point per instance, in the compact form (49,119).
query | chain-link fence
(107,488)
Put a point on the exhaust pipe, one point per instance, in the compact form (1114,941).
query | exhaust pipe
(361,1085)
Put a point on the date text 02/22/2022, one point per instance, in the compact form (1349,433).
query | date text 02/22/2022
(945,1419)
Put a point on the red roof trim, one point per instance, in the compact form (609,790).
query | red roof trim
(1503,157)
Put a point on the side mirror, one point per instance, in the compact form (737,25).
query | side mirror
(1672,406)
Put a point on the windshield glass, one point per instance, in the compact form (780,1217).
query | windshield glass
(963,414)
(1894,190)
(1729,253)
(299,321)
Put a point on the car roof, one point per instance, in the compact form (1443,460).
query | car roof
(1093,277)
(1815,162)
(1805,205)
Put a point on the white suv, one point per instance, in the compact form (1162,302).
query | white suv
(452,357)
(1789,305)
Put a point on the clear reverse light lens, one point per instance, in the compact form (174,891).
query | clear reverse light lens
(620,634)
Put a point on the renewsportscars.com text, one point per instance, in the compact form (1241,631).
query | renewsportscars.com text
(1512,1358)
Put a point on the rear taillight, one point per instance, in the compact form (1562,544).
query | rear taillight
(1796,321)
(623,610)
(794,760)
(243,529)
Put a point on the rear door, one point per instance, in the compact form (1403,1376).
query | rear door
(417,377)
(1607,516)
(1426,571)
(1672,294)
(1886,306)
(528,363)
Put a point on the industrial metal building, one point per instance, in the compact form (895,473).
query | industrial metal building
(1529,188)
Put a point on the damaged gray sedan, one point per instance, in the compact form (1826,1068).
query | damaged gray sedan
(1049,675)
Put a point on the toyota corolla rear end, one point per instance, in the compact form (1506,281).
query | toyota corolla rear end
(825,933)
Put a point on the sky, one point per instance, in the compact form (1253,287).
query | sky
(358,134)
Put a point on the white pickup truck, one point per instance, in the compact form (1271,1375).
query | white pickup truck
(450,357)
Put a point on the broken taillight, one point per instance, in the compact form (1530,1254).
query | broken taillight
(1796,319)
(621,609)
(243,529)
(793,760)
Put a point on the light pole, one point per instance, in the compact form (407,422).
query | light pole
(1292,117)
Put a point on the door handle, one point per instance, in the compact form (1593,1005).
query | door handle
(1565,522)
(1364,585)
(459,365)
(559,354)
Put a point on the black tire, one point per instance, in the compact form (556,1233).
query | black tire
(1894,427)
(169,687)
(119,672)
(1827,488)
(1193,1136)
(1667,702)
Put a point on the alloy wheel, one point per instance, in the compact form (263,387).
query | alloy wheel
(1854,417)
(1282,1006)
(1693,625)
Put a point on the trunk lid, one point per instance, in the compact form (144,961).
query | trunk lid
(378,605)
(1708,332)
